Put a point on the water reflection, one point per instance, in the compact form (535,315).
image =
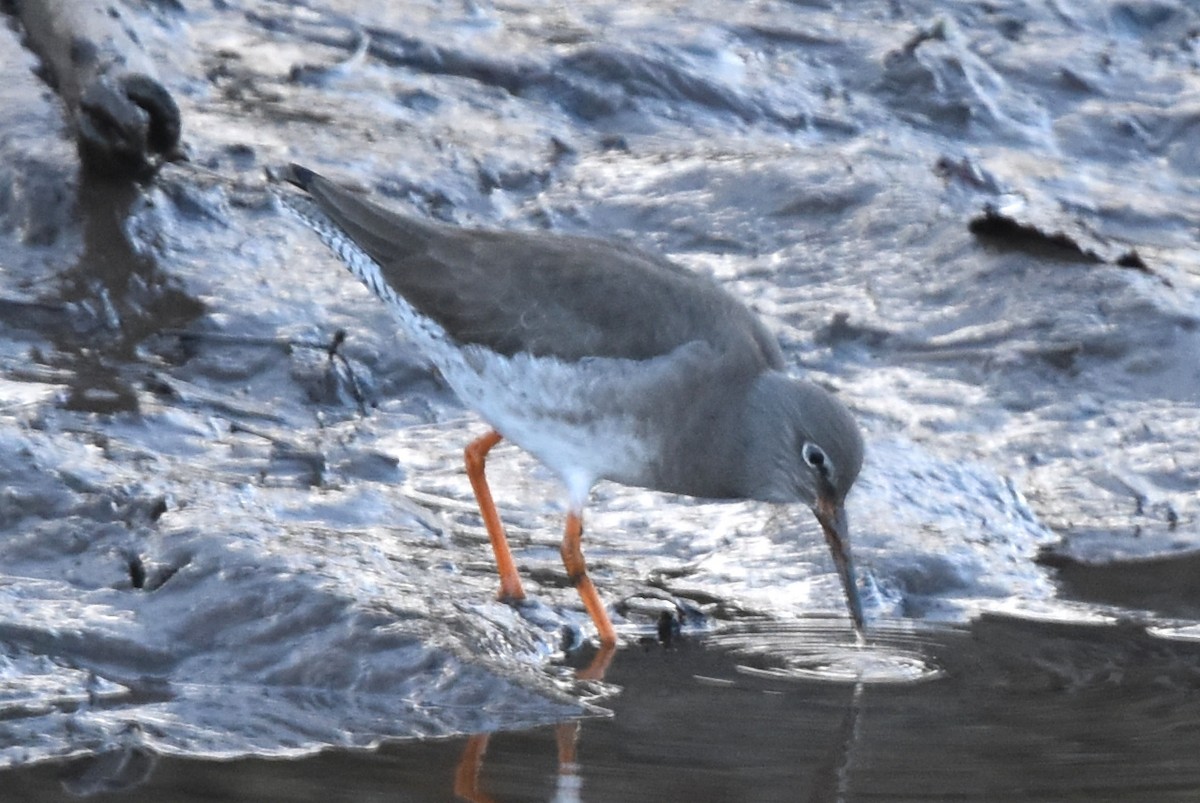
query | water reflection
(113,298)
(1035,709)
(1017,707)
(467,784)
(830,773)
(115,771)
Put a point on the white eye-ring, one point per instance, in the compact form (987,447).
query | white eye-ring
(815,457)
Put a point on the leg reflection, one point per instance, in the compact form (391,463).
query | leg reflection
(466,776)
(566,736)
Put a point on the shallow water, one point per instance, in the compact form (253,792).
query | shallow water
(218,541)
(1019,709)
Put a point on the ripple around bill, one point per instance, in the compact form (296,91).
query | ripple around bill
(824,649)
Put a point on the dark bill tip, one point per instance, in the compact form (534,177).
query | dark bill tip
(832,517)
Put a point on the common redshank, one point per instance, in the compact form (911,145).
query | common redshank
(603,362)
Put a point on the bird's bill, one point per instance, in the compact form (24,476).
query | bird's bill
(832,517)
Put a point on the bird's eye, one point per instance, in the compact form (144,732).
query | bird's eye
(815,457)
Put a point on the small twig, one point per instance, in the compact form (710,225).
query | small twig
(334,352)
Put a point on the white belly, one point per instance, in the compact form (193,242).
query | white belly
(584,420)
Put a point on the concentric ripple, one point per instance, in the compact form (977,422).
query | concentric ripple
(825,649)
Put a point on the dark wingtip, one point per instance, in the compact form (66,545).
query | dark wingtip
(301,176)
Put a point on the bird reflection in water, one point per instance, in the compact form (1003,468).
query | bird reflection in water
(566,736)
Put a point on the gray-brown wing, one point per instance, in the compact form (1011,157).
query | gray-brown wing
(546,294)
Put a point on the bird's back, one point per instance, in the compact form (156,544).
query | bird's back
(544,294)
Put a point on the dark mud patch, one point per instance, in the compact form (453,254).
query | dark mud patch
(1003,231)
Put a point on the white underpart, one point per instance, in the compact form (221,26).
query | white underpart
(546,406)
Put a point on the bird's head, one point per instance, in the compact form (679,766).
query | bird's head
(806,447)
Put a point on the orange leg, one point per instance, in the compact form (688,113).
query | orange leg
(572,555)
(476,454)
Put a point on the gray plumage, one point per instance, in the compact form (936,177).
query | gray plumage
(478,285)
(603,361)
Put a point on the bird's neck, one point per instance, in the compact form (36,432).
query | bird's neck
(767,444)
(716,438)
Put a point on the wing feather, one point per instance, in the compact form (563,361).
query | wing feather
(546,294)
